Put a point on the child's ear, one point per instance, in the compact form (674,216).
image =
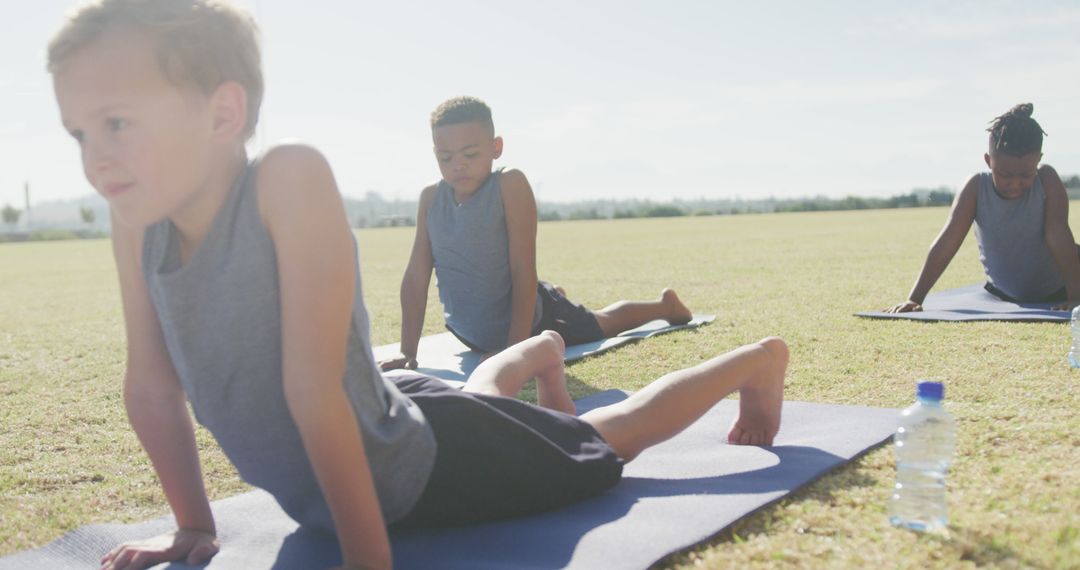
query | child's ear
(498,144)
(229,110)
(986,157)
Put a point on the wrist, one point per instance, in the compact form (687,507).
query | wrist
(211,532)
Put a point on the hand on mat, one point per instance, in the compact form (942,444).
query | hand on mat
(399,361)
(191,546)
(905,307)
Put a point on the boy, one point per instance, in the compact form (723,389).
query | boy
(477,229)
(241,295)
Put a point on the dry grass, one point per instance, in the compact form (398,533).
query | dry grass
(67,457)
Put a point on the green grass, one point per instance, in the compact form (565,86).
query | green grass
(68,458)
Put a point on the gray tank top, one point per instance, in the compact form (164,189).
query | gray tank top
(221,318)
(1011,244)
(470,247)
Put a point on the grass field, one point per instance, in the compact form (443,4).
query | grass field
(68,458)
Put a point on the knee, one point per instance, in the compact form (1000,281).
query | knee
(555,340)
(776,347)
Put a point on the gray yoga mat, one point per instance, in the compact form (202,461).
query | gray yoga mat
(974,303)
(445,357)
(675,495)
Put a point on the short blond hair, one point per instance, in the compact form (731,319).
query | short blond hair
(200,43)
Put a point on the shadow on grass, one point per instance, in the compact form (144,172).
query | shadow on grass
(984,549)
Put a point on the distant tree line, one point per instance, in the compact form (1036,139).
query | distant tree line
(620,209)
(375,211)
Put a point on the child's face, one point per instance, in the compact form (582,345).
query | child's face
(465,152)
(144,141)
(1013,175)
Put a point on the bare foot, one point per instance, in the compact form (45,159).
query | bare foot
(760,400)
(551,389)
(677,312)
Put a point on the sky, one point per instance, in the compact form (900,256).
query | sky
(621,98)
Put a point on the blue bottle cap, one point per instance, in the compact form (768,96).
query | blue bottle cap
(931,390)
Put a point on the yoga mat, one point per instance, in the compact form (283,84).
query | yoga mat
(444,356)
(675,495)
(974,303)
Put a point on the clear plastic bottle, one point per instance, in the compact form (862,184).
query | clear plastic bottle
(924,442)
(1074,352)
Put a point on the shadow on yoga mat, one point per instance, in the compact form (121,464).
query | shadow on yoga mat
(445,357)
(675,495)
(974,303)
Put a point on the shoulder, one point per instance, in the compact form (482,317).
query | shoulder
(293,177)
(282,166)
(1049,176)
(295,188)
(1052,186)
(966,202)
(427,195)
(514,186)
(514,180)
(970,191)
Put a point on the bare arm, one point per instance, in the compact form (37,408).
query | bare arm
(303,212)
(156,407)
(1058,236)
(414,287)
(520,207)
(944,248)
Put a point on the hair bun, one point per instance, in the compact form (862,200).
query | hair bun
(1022,110)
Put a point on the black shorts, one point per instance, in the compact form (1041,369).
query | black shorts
(1055,297)
(499,457)
(574,322)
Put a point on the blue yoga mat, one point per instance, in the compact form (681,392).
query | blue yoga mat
(445,357)
(675,495)
(974,303)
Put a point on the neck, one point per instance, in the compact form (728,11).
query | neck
(194,218)
(460,196)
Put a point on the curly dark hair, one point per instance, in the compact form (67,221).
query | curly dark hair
(1015,133)
(462,110)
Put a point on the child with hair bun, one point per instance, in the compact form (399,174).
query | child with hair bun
(1021,215)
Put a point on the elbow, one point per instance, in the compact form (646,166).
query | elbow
(413,283)
(1056,237)
(306,399)
(138,396)
(298,396)
(524,276)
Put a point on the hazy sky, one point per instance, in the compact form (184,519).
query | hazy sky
(620,99)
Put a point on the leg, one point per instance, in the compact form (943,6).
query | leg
(625,315)
(669,405)
(539,357)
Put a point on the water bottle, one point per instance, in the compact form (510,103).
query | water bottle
(1074,352)
(924,441)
